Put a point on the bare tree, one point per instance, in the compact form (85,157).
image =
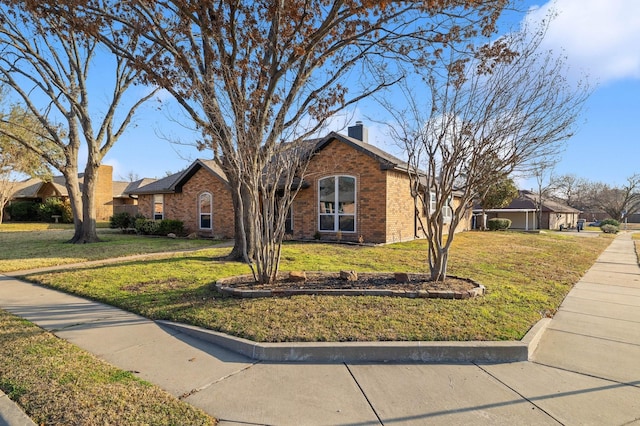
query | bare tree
(542,171)
(47,65)
(618,202)
(485,119)
(16,161)
(255,74)
(572,190)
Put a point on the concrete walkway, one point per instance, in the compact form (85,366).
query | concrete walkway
(586,369)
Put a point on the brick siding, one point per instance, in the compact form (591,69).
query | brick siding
(183,206)
(104,193)
(340,159)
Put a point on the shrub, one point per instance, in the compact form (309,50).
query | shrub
(163,227)
(609,229)
(122,220)
(609,222)
(169,226)
(498,224)
(146,226)
(24,211)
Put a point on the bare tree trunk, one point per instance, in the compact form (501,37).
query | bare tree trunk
(244,228)
(87,232)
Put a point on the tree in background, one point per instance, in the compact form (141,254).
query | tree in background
(255,76)
(497,195)
(572,190)
(484,119)
(617,202)
(16,161)
(48,66)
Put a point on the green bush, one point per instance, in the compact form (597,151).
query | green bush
(169,226)
(24,211)
(163,227)
(609,229)
(55,207)
(609,222)
(146,226)
(498,224)
(122,220)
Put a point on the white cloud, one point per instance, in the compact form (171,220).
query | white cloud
(600,38)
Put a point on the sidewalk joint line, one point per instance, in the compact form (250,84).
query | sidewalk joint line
(568,311)
(635,384)
(594,337)
(363,393)
(518,393)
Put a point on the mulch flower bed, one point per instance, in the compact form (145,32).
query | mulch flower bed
(350,283)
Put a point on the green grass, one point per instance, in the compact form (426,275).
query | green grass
(57,383)
(526,275)
(27,246)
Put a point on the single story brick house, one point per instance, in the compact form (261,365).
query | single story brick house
(110,197)
(522,212)
(353,191)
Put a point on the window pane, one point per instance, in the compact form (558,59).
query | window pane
(205,221)
(327,195)
(347,223)
(347,190)
(327,222)
(205,203)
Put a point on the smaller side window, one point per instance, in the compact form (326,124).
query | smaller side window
(158,207)
(205,210)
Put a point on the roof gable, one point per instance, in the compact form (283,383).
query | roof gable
(175,182)
(386,160)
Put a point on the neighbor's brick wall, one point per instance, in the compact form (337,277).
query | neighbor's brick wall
(340,159)
(104,193)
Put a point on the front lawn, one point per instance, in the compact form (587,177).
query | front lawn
(27,246)
(526,275)
(57,383)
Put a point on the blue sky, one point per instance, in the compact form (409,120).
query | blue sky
(599,38)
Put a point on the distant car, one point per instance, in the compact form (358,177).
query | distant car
(596,223)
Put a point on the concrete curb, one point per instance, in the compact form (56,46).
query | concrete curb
(455,352)
(11,414)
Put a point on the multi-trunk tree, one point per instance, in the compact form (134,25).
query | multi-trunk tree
(256,75)
(485,118)
(49,68)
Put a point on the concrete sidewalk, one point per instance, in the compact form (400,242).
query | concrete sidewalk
(585,370)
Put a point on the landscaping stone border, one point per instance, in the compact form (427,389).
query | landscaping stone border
(222,286)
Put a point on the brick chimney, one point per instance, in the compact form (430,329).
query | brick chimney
(359,131)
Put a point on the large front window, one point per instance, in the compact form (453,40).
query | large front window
(158,207)
(205,210)
(337,196)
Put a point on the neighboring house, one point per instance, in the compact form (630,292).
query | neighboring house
(523,213)
(352,191)
(111,196)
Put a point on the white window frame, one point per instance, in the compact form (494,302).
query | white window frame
(200,214)
(153,207)
(447,211)
(336,213)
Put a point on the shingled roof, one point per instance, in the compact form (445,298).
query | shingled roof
(173,183)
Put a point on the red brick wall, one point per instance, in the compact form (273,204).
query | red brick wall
(401,224)
(340,159)
(184,205)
